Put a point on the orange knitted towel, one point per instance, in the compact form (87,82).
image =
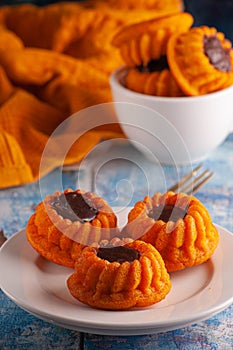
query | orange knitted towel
(55,61)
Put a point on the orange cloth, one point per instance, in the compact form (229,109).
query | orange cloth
(55,61)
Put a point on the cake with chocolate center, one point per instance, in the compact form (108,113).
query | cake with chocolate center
(64,223)
(120,277)
(178,225)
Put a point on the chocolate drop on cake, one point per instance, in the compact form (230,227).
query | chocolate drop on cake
(154,65)
(167,213)
(119,254)
(75,207)
(217,55)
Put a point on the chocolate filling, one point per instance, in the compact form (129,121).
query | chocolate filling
(167,213)
(74,206)
(154,65)
(119,254)
(217,55)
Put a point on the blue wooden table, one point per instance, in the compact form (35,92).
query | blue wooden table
(121,182)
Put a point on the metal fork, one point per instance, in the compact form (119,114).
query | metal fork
(191,182)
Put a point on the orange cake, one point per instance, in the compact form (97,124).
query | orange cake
(155,83)
(177,225)
(143,48)
(64,223)
(201,60)
(118,277)
(142,42)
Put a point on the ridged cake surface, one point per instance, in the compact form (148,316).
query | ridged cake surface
(178,225)
(61,227)
(105,281)
(201,60)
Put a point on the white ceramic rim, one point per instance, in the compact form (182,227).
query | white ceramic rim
(120,72)
(212,294)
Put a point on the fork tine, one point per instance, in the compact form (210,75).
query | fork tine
(194,181)
(185,179)
(191,183)
(200,183)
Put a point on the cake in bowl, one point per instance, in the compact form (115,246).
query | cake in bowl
(201,60)
(184,75)
(143,47)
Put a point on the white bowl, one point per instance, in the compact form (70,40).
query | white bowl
(176,130)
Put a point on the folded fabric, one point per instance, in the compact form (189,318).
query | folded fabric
(55,61)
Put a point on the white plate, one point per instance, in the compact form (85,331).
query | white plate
(39,287)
